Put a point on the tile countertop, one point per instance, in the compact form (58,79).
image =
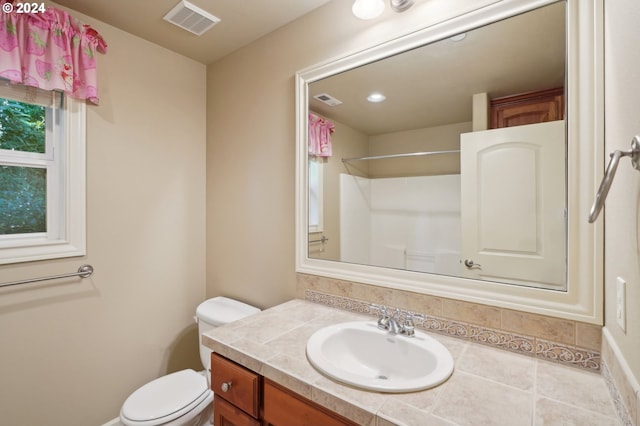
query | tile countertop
(488,387)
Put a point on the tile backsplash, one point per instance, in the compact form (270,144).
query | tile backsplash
(563,341)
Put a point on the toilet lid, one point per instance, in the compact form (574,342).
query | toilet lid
(221,310)
(169,396)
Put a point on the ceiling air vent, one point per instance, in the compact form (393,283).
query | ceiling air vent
(327,99)
(191,18)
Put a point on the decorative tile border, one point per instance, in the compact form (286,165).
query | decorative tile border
(567,355)
(500,339)
(623,387)
(526,345)
(444,326)
(623,414)
(344,303)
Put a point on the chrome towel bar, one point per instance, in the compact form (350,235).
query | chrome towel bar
(84,271)
(634,153)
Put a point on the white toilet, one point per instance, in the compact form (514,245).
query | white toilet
(185,397)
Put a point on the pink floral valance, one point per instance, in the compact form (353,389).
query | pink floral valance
(320,131)
(51,50)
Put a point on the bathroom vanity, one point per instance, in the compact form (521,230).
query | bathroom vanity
(263,356)
(245,398)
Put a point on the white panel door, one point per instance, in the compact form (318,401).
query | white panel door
(514,204)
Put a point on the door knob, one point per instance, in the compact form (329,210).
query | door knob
(469,264)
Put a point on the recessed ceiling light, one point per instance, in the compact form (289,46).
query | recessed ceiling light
(458,37)
(376,97)
(367,9)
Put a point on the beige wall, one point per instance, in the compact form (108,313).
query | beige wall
(622,211)
(72,351)
(439,138)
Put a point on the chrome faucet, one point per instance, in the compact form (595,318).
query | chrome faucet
(393,324)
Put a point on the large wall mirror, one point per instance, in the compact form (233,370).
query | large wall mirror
(460,161)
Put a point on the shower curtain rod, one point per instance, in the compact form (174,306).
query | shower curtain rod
(410,154)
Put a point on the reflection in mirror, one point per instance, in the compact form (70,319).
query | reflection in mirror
(461,169)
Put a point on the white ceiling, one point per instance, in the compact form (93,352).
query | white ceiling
(242,22)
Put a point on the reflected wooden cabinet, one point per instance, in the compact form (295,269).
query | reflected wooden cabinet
(527,108)
(244,398)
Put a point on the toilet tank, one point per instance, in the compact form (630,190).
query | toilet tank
(216,312)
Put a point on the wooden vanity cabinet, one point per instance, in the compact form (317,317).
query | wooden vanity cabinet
(244,398)
(527,108)
(225,414)
(237,393)
(285,408)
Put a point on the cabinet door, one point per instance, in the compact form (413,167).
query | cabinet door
(514,204)
(225,414)
(236,384)
(285,408)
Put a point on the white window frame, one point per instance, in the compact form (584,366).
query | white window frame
(316,203)
(65,160)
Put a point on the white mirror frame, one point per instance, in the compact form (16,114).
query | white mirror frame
(583,300)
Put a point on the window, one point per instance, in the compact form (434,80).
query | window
(315,194)
(42,174)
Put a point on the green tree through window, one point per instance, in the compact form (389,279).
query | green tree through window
(22,126)
(23,197)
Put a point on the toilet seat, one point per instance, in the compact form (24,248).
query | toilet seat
(166,399)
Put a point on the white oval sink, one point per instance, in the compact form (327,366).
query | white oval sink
(360,354)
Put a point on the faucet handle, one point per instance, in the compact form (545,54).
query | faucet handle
(373,306)
(408,327)
(383,319)
(382,310)
(411,315)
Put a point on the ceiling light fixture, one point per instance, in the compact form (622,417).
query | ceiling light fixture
(458,37)
(367,9)
(400,5)
(376,97)
(370,9)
